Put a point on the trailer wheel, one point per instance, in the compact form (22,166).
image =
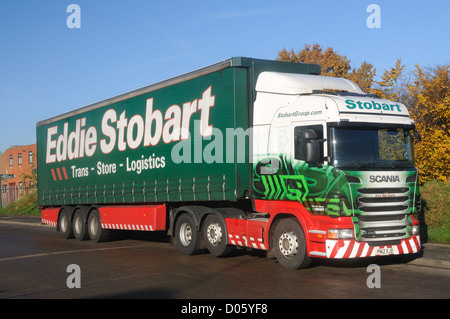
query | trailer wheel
(65,224)
(96,233)
(79,226)
(215,236)
(188,239)
(290,244)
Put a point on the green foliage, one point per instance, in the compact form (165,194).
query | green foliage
(435,196)
(435,215)
(27,205)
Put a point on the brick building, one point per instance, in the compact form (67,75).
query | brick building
(3,163)
(19,161)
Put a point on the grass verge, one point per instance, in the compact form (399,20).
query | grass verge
(27,205)
(435,214)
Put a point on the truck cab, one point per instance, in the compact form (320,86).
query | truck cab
(340,160)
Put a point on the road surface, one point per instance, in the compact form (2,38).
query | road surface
(36,263)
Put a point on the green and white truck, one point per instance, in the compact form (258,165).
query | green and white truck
(243,153)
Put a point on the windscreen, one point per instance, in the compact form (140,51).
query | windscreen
(368,148)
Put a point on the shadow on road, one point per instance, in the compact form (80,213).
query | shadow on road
(162,237)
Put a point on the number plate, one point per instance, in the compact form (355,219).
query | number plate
(385,251)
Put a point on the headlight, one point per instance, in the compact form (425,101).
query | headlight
(415,230)
(345,233)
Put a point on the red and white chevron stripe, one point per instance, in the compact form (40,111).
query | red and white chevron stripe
(128,227)
(246,241)
(50,216)
(49,222)
(352,249)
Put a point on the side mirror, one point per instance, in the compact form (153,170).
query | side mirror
(417,137)
(311,146)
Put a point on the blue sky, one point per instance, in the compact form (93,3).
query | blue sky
(47,68)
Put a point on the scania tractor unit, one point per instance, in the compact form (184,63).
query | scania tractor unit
(251,153)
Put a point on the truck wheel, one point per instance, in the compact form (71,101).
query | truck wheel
(79,226)
(215,236)
(188,239)
(96,233)
(290,244)
(65,224)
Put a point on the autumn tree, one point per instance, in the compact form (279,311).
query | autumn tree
(430,108)
(391,85)
(332,64)
(364,77)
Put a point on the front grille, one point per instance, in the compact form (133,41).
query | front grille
(383,199)
(384,190)
(383,214)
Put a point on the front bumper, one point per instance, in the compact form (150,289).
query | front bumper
(341,248)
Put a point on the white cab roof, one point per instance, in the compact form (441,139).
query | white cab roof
(289,83)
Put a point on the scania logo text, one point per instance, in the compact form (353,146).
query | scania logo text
(384,179)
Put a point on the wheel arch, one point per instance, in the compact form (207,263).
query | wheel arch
(280,216)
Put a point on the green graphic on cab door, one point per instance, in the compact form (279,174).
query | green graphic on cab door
(322,190)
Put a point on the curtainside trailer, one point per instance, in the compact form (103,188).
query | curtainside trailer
(243,153)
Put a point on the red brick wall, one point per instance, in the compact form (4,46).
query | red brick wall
(20,170)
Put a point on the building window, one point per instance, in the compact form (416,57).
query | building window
(20,158)
(30,157)
(11,160)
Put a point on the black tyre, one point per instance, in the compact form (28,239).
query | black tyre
(186,235)
(96,233)
(65,224)
(290,244)
(215,236)
(79,226)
